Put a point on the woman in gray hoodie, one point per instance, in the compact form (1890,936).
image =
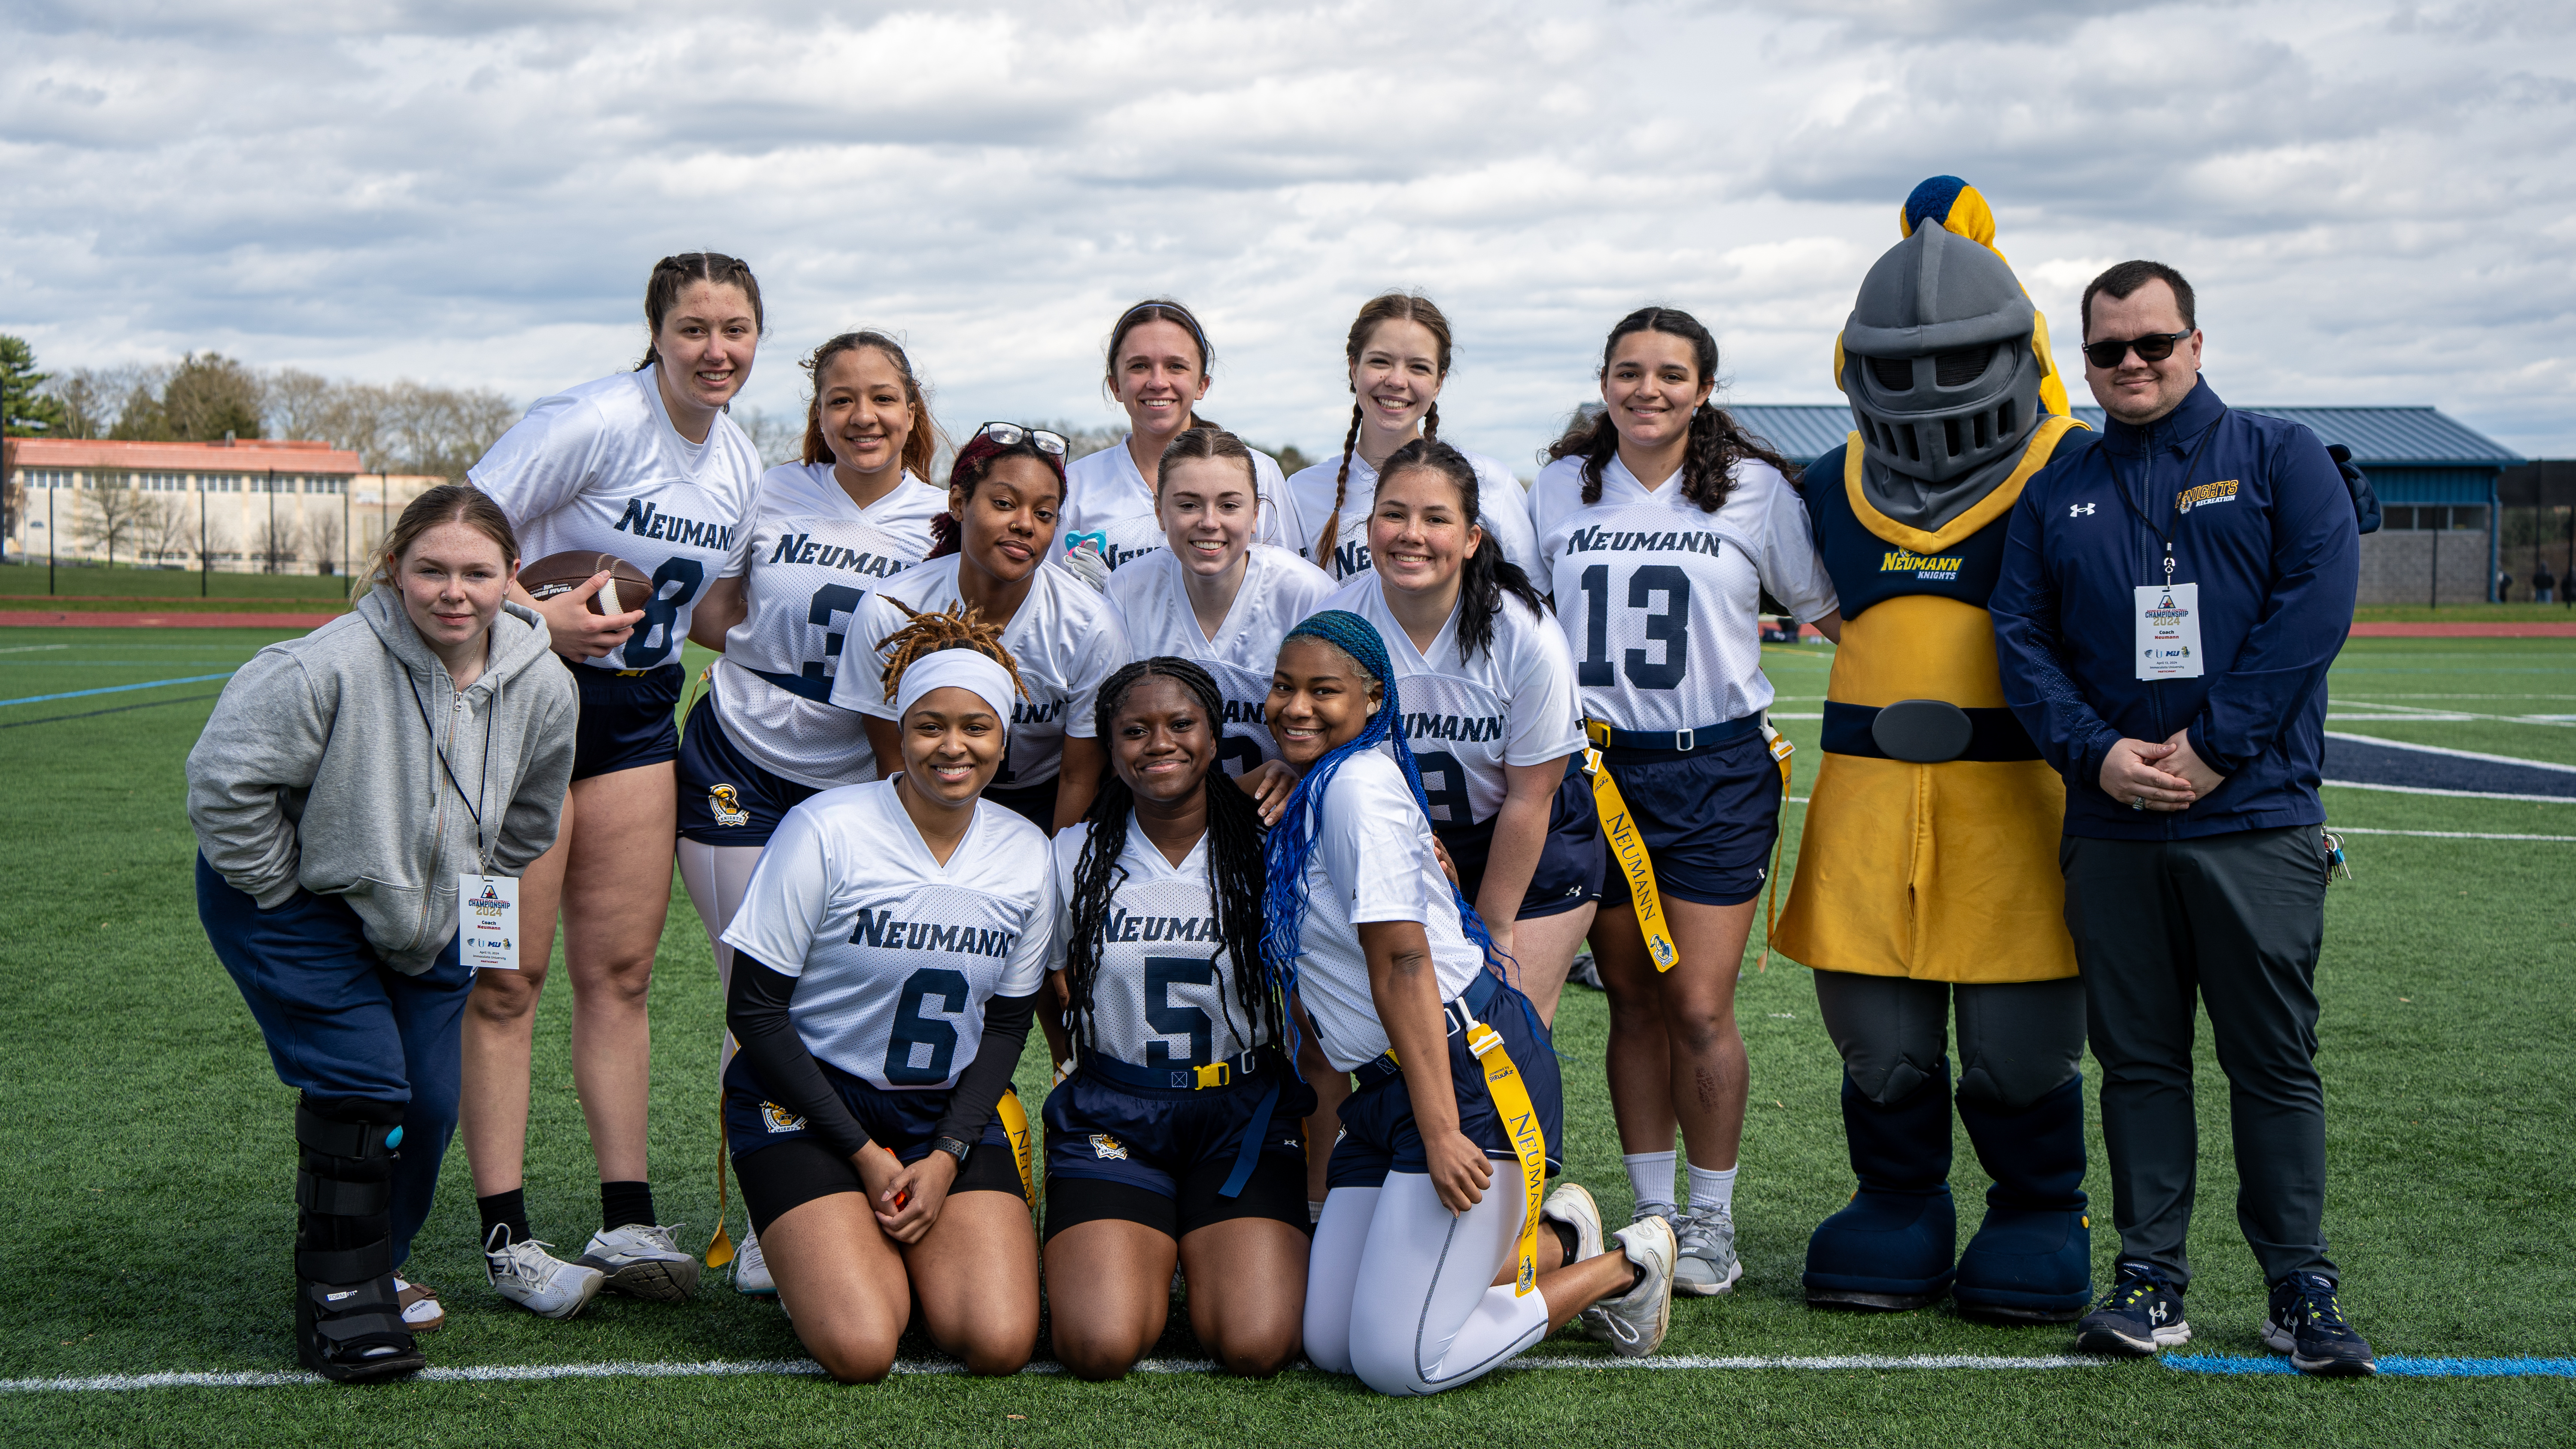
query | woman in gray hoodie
(344,785)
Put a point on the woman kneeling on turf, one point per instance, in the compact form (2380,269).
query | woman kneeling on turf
(1177,1135)
(1429,1269)
(345,782)
(887,954)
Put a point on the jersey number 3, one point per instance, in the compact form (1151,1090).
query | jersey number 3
(912,1029)
(1669,627)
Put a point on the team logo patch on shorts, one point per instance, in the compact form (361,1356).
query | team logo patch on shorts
(1107,1148)
(779,1119)
(726,806)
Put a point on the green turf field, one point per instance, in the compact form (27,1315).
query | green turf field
(147,1162)
(93,588)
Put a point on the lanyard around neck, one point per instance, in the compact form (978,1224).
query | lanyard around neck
(483,782)
(2165,534)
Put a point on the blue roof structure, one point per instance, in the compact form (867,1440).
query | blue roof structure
(2399,437)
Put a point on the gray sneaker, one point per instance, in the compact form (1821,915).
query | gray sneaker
(642,1259)
(538,1281)
(1634,1323)
(1708,1263)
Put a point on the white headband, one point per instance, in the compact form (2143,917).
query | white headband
(965,669)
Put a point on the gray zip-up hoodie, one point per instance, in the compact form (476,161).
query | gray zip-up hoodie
(317,770)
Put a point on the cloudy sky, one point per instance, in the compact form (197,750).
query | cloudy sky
(2375,201)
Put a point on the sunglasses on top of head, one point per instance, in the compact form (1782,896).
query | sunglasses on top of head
(2154,347)
(1010,434)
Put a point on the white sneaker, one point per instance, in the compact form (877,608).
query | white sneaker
(1634,1324)
(1708,1265)
(641,1259)
(750,1270)
(1572,1205)
(538,1281)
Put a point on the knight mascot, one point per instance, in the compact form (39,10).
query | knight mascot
(1927,886)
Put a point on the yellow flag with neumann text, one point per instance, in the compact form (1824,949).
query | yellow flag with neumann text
(1520,1121)
(1619,828)
(1015,1121)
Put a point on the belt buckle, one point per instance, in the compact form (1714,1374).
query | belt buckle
(1597,732)
(1214,1074)
(1685,740)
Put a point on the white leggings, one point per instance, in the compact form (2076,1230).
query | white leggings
(1400,1291)
(717,876)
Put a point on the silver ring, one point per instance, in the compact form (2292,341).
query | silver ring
(2137,802)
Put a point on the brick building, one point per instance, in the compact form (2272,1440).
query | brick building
(2435,477)
(252,506)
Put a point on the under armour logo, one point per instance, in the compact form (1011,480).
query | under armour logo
(2079,510)
(2156,1313)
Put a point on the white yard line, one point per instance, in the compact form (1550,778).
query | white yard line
(2463,794)
(2442,834)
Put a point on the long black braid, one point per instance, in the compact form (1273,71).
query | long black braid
(1234,857)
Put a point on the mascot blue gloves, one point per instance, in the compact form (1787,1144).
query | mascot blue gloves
(1928,881)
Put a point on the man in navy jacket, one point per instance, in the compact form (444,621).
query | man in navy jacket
(2173,592)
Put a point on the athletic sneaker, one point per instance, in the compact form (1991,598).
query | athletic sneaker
(750,1270)
(1708,1265)
(538,1281)
(642,1259)
(1586,971)
(2308,1324)
(1572,1205)
(2141,1314)
(1634,1323)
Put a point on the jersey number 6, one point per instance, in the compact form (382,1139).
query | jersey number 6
(1670,628)
(912,1029)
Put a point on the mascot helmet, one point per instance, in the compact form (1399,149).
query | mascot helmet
(1937,358)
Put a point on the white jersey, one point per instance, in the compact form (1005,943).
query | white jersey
(813,555)
(1279,590)
(1109,503)
(1657,599)
(1165,995)
(1372,862)
(1512,704)
(894,954)
(1063,640)
(599,468)
(1499,496)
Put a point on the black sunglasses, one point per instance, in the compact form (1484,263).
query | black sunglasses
(2154,347)
(1009,435)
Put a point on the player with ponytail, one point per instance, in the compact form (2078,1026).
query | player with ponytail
(888,954)
(1435,1260)
(1174,1138)
(1157,368)
(1398,355)
(1661,524)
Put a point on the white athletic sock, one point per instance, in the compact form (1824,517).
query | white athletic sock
(1314,1211)
(1713,1189)
(1650,1176)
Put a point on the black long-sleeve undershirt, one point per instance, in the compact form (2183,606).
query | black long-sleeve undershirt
(756,1011)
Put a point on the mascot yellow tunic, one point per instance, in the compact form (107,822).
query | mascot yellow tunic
(1927,878)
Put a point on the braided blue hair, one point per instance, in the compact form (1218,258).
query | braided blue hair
(1292,840)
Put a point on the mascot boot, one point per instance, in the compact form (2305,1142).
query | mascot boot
(1930,848)
(2032,1261)
(348,1322)
(1891,1248)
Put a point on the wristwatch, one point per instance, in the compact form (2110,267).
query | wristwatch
(954,1147)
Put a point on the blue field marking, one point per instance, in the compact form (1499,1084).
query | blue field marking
(114,689)
(2395,1365)
(2403,765)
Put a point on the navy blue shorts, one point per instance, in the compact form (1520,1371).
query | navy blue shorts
(625,718)
(783,1165)
(1378,1132)
(725,799)
(1709,818)
(1033,803)
(1570,865)
(1172,1151)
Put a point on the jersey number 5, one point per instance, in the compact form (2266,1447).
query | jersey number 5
(1161,974)
(1670,627)
(912,1029)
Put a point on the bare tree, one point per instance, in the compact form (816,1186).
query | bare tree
(298,404)
(108,517)
(275,541)
(165,527)
(94,398)
(778,437)
(323,531)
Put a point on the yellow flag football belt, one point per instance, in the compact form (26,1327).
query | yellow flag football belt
(1520,1120)
(1620,829)
(1015,1122)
